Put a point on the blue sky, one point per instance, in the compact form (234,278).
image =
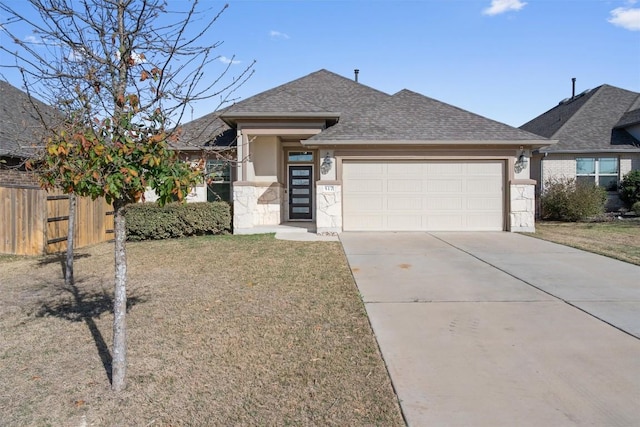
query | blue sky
(509,60)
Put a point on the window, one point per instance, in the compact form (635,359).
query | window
(600,171)
(218,181)
(300,156)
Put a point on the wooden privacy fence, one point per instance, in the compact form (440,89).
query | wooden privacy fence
(35,222)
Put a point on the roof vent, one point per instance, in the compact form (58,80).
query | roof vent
(355,72)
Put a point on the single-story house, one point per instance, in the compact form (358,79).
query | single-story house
(598,134)
(331,151)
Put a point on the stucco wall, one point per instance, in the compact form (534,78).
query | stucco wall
(262,164)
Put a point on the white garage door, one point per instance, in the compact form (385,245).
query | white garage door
(423,196)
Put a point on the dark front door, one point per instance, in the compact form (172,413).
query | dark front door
(300,186)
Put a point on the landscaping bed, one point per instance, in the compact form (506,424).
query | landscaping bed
(223,330)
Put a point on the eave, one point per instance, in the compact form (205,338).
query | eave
(531,144)
(233,119)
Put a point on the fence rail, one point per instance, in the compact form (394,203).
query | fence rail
(35,222)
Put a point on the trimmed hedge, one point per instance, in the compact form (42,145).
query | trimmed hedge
(149,221)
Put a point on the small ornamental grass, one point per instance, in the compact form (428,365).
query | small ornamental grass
(566,200)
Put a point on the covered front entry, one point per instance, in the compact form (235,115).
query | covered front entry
(396,195)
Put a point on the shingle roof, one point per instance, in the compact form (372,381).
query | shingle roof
(410,116)
(369,114)
(20,125)
(629,118)
(206,131)
(590,122)
(318,92)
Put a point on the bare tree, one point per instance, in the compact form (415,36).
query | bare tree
(121,72)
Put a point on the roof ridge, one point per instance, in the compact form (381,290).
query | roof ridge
(593,94)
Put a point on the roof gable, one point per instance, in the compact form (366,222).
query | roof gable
(20,125)
(206,131)
(318,92)
(588,122)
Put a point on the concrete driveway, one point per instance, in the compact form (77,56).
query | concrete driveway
(501,329)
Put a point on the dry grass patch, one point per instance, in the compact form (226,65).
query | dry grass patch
(619,239)
(243,330)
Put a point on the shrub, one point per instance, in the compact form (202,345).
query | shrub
(149,221)
(636,208)
(629,188)
(566,200)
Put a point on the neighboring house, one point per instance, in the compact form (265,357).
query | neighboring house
(598,133)
(211,141)
(32,220)
(20,131)
(331,151)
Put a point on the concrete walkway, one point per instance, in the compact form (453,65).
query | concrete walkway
(500,329)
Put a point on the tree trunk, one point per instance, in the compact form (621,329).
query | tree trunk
(119,359)
(68,271)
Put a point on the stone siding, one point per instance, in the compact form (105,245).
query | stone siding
(522,212)
(328,208)
(256,204)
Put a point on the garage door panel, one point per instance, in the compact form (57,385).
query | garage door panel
(428,195)
(483,204)
(404,222)
(482,223)
(440,203)
(374,185)
(371,169)
(440,222)
(414,170)
(443,169)
(404,186)
(484,168)
(364,204)
(403,203)
(483,185)
(364,222)
(443,186)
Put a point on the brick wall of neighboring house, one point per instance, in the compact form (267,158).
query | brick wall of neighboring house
(16,178)
(558,166)
(629,162)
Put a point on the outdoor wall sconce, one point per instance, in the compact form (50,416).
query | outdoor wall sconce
(325,167)
(521,162)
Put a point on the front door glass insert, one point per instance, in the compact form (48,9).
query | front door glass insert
(300,182)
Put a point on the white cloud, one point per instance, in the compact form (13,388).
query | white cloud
(278,35)
(626,17)
(33,40)
(226,60)
(501,6)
